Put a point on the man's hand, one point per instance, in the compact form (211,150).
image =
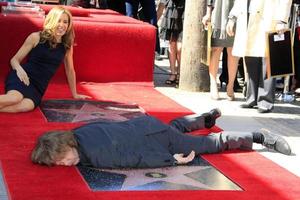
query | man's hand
(183,160)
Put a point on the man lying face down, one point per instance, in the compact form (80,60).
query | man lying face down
(145,142)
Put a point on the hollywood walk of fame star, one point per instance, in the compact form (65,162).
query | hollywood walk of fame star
(174,175)
(92,112)
(192,177)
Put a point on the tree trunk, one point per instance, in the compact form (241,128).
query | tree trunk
(194,74)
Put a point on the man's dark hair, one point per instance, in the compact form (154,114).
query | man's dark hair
(52,146)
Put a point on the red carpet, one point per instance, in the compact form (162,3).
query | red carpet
(109,47)
(260,178)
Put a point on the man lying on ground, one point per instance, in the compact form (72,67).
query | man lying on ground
(145,142)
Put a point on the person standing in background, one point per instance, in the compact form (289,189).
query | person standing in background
(116,5)
(296,79)
(253,19)
(149,15)
(172,30)
(217,12)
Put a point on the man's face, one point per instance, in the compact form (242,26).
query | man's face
(70,158)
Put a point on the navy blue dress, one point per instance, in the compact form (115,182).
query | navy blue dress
(43,61)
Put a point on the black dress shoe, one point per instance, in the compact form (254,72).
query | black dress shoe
(245,105)
(210,117)
(263,110)
(216,113)
(275,142)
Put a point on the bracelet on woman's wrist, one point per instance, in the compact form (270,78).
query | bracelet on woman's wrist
(281,22)
(232,18)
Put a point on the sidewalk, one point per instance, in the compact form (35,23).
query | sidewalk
(284,120)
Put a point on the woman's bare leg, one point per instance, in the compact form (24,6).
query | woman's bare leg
(24,105)
(232,70)
(172,59)
(179,45)
(10,98)
(213,70)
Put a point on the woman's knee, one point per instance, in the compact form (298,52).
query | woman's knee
(13,97)
(178,51)
(217,50)
(179,46)
(172,47)
(25,106)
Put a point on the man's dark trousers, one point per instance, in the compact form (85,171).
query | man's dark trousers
(176,141)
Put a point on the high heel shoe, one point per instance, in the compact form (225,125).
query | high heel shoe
(171,80)
(177,81)
(230,95)
(237,87)
(214,93)
(223,80)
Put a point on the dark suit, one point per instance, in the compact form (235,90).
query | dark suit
(146,142)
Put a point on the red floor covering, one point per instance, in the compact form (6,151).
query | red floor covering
(260,178)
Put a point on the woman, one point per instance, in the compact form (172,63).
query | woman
(27,83)
(171,30)
(250,43)
(296,79)
(217,12)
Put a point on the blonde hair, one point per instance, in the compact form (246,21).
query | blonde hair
(50,24)
(52,146)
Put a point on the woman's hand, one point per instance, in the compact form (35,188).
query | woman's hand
(230,27)
(31,41)
(22,75)
(81,96)
(183,160)
(280,27)
(206,19)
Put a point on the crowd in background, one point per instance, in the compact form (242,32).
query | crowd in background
(238,37)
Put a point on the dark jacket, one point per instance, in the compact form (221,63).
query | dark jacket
(123,144)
